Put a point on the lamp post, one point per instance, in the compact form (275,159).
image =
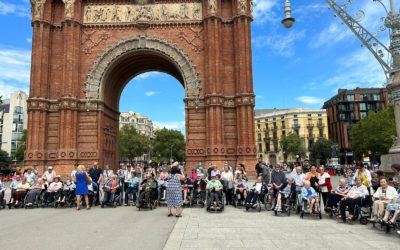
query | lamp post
(288,21)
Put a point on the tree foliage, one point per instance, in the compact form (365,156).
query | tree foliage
(292,145)
(5,160)
(167,141)
(19,154)
(374,133)
(321,150)
(132,144)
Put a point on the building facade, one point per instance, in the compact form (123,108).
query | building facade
(273,124)
(347,108)
(141,123)
(13,121)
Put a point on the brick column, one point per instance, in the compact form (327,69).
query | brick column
(214,97)
(246,149)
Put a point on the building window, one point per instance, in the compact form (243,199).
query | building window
(283,133)
(363,106)
(321,132)
(259,137)
(363,114)
(259,148)
(18,110)
(350,98)
(276,148)
(283,124)
(377,97)
(267,147)
(309,115)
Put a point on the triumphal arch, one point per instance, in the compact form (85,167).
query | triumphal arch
(84,52)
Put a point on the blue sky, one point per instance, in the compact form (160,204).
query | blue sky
(298,67)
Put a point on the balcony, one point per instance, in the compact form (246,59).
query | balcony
(320,125)
(310,125)
(296,126)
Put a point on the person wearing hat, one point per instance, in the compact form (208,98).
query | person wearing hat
(174,190)
(49,175)
(52,190)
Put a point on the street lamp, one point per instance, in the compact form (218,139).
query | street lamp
(288,21)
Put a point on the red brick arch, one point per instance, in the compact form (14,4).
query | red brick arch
(84,54)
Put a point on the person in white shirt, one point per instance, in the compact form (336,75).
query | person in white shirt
(254,193)
(382,197)
(30,176)
(353,198)
(49,175)
(298,177)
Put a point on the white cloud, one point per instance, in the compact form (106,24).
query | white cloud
(310,100)
(259,97)
(263,11)
(7,8)
(28,40)
(283,45)
(7,89)
(147,75)
(176,125)
(15,70)
(152,93)
(335,33)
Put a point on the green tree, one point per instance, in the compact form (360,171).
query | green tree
(169,143)
(321,150)
(19,154)
(132,144)
(292,145)
(5,160)
(374,133)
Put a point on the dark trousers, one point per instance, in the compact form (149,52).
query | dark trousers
(198,193)
(215,196)
(49,197)
(333,200)
(32,194)
(133,191)
(228,194)
(145,195)
(253,196)
(351,203)
(108,196)
(325,196)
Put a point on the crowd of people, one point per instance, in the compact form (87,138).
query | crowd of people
(140,186)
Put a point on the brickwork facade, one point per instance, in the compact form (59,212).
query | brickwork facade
(84,52)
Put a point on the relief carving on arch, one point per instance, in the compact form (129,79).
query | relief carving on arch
(242,6)
(212,6)
(167,12)
(94,84)
(37,8)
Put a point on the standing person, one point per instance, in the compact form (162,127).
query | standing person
(259,168)
(266,173)
(324,184)
(130,186)
(363,173)
(96,174)
(30,176)
(49,175)
(313,178)
(73,173)
(278,178)
(174,190)
(306,166)
(227,177)
(81,179)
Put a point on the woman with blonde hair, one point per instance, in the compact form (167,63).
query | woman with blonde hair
(81,178)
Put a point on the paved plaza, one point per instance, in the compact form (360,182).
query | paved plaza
(127,228)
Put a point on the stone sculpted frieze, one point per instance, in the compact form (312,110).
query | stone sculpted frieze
(171,12)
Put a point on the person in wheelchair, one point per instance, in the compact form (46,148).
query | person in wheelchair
(52,190)
(147,190)
(110,189)
(240,188)
(341,191)
(287,191)
(214,188)
(20,191)
(67,190)
(199,188)
(255,192)
(309,196)
(382,197)
(354,197)
(2,190)
(392,207)
(34,192)
(187,186)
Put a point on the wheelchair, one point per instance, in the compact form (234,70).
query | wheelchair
(38,200)
(197,198)
(239,202)
(260,199)
(114,200)
(3,202)
(269,200)
(304,207)
(150,202)
(288,203)
(212,205)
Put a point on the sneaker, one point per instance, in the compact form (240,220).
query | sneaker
(255,205)
(126,204)
(398,232)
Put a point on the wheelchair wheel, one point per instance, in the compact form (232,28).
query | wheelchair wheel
(363,221)
(259,206)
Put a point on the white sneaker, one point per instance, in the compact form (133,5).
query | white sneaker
(398,232)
